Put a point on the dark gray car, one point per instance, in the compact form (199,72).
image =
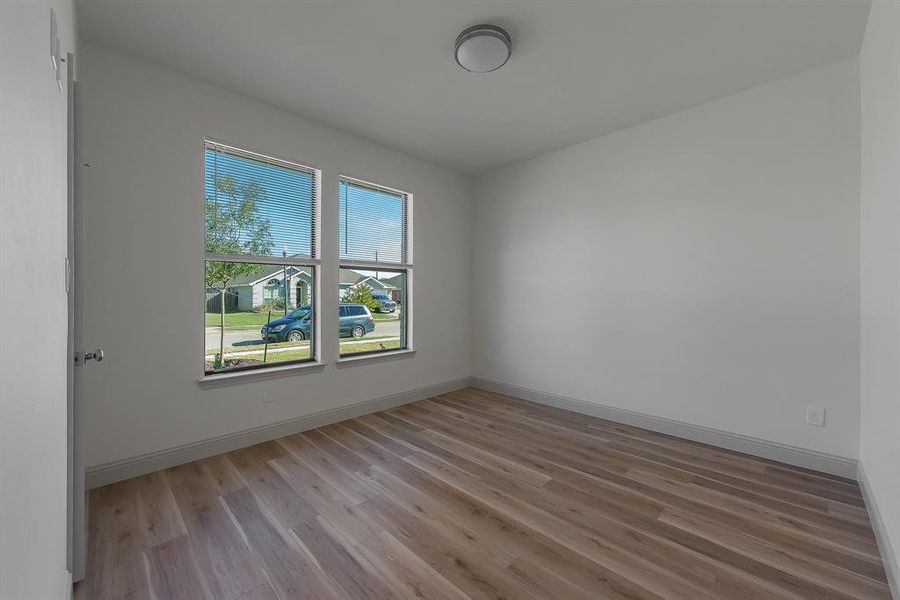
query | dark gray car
(385,304)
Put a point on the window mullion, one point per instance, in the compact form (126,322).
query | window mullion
(265,260)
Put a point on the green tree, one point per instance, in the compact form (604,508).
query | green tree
(233,226)
(361,294)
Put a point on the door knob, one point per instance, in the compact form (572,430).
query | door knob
(83,357)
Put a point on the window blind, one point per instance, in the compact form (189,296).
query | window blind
(373,224)
(258,206)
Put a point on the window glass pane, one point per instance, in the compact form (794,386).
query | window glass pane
(257,207)
(373,316)
(372,224)
(257,315)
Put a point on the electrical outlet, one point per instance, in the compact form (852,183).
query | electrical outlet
(815,416)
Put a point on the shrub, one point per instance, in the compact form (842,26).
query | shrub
(264,307)
(361,294)
(275,305)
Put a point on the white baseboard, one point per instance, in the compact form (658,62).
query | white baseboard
(147,463)
(69,589)
(792,455)
(888,557)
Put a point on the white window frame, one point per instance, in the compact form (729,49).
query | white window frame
(405,266)
(315,262)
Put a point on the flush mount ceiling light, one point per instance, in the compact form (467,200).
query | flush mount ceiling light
(482,48)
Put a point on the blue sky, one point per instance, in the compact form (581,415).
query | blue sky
(371,224)
(286,205)
(370,220)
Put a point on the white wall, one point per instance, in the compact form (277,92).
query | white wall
(880,201)
(702,267)
(143,130)
(33,138)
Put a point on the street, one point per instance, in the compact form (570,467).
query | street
(250,337)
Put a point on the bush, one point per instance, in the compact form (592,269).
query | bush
(361,294)
(273,305)
(264,307)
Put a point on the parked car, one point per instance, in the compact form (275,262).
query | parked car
(355,321)
(385,304)
(295,326)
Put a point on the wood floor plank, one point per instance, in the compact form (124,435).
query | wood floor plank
(325,466)
(752,471)
(159,516)
(593,547)
(473,494)
(224,559)
(292,574)
(173,572)
(626,453)
(792,533)
(263,592)
(838,581)
(351,524)
(263,480)
(115,544)
(406,572)
(222,474)
(398,495)
(340,565)
(505,536)
(790,475)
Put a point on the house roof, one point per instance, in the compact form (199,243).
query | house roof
(375,284)
(393,280)
(264,272)
(350,278)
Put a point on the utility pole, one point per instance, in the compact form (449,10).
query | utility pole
(284,277)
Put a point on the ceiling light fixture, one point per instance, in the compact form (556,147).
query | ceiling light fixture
(483,48)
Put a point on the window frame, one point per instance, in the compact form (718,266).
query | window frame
(405,267)
(314,262)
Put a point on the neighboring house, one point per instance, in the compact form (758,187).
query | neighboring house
(265,286)
(350,279)
(396,283)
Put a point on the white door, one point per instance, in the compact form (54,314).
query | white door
(78,358)
(71,554)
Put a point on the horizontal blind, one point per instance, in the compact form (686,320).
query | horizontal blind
(373,224)
(258,206)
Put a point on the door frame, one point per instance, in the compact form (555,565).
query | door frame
(75,492)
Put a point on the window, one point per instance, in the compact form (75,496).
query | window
(261,260)
(376,268)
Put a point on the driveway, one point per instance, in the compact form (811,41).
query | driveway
(238,338)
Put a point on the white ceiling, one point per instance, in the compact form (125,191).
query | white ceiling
(384,70)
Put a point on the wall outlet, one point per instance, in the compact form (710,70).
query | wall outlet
(815,416)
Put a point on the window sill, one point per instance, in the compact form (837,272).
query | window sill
(257,374)
(349,361)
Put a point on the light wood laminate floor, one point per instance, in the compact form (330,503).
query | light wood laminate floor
(476,495)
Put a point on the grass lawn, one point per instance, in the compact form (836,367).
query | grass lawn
(255,320)
(303,353)
(303,344)
(348,349)
(394,316)
(257,359)
(260,347)
(241,320)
